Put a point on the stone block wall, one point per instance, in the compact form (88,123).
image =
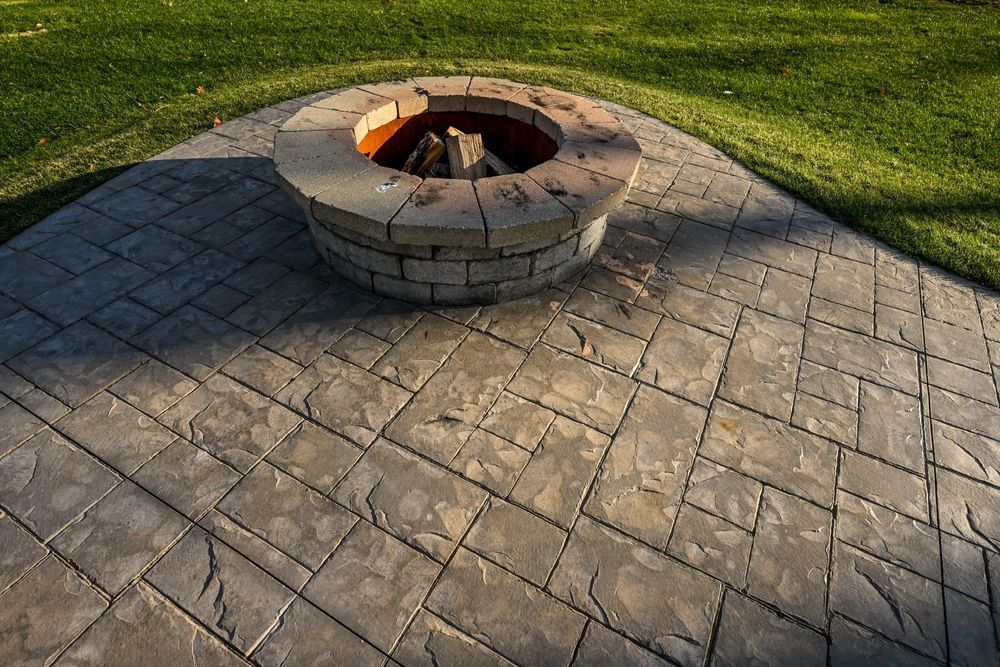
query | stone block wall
(452,276)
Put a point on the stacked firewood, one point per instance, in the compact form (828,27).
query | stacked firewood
(464,155)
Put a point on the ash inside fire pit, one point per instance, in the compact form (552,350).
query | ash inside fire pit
(531,175)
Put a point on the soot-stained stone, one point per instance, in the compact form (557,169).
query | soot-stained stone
(587,194)
(516,210)
(441,212)
(367,202)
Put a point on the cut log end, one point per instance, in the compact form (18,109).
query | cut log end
(495,165)
(466,156)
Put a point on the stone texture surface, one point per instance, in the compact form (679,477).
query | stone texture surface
(898,603)
(539,505)
(307,636)
(750,633)
(684,360)
(373,583)
(445,412)
(655,601)
(344,398)
(187,478)
(141,623)
(519,541)
(414,500)
(115,432)
(46,483)
(763,364)
(791,555)
(771,451)
(491,461)
(119,536)
(573,387)
(641,480)
(429,642)
(227,420)
(510,616)
(45,611)
(561,471)
(219,587)
(284,512)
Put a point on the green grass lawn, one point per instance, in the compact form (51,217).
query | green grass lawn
(885,114)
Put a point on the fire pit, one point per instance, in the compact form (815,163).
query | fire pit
(565,162)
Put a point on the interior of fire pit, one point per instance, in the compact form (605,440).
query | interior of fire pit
(520,145)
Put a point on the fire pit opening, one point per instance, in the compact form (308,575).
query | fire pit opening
(517,144)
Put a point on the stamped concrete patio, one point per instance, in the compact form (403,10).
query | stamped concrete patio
(745,433)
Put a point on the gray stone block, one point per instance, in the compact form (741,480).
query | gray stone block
(594,232)
(557,254)
(357,275)
(456,253)
(569,267)
(435,271)
(402,289)
(515,289)
(374,260)
(496,270)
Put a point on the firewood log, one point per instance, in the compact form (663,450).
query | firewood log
(428,151)
(466,156)
(495,164)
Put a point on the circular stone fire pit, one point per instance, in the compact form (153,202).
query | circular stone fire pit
(451,241)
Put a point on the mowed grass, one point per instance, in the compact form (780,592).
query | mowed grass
(884,114)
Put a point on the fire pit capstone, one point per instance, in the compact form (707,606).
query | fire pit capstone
(448,241)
